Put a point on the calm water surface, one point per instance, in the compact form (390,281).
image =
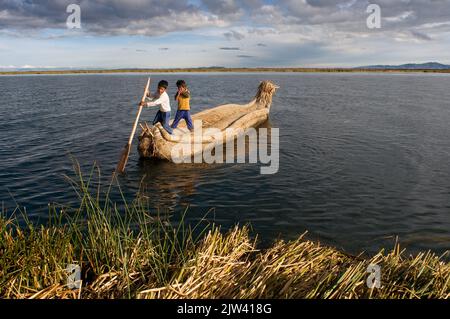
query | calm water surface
(363,157)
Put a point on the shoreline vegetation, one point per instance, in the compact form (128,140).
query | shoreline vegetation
(224,70)
(126,251)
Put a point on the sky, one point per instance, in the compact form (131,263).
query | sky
(228,33)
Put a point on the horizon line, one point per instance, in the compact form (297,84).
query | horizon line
(29,68)
(225,70)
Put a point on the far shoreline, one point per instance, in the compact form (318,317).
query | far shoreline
(224,70)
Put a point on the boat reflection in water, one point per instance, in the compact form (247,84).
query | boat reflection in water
(171,186)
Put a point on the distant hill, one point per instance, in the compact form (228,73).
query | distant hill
(425,68)
(409,66)
(430,66)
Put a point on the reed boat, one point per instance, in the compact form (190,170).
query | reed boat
(217,126)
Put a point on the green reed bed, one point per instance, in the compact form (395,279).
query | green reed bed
(127,251)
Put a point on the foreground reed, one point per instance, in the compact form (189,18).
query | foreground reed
(125,252)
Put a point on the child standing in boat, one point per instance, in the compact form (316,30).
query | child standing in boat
(161,99)
(183,97)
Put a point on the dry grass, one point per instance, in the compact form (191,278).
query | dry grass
(127,253)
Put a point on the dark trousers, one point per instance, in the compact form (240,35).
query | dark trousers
(163,118)
(186,115)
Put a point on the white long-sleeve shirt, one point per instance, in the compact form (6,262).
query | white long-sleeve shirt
(163,101)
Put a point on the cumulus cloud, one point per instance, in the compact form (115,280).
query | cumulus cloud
(112,17)
(223,7)
(350,15)
(291,30)
(262,31)
(154,17)
(234,35)
(232,9)
(421,35)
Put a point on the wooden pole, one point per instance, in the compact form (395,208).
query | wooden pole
(127,149)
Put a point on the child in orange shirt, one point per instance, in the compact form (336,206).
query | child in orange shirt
(183,97)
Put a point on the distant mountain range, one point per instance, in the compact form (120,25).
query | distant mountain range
(409,66)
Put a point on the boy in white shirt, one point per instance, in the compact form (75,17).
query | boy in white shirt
(161,99)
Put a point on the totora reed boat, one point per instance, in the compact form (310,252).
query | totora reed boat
(217,125)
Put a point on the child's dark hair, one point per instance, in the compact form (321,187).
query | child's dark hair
(163,84)
(181,83)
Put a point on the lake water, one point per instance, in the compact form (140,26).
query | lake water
(363,157)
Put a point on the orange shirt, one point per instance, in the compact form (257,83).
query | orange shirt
(183,102)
